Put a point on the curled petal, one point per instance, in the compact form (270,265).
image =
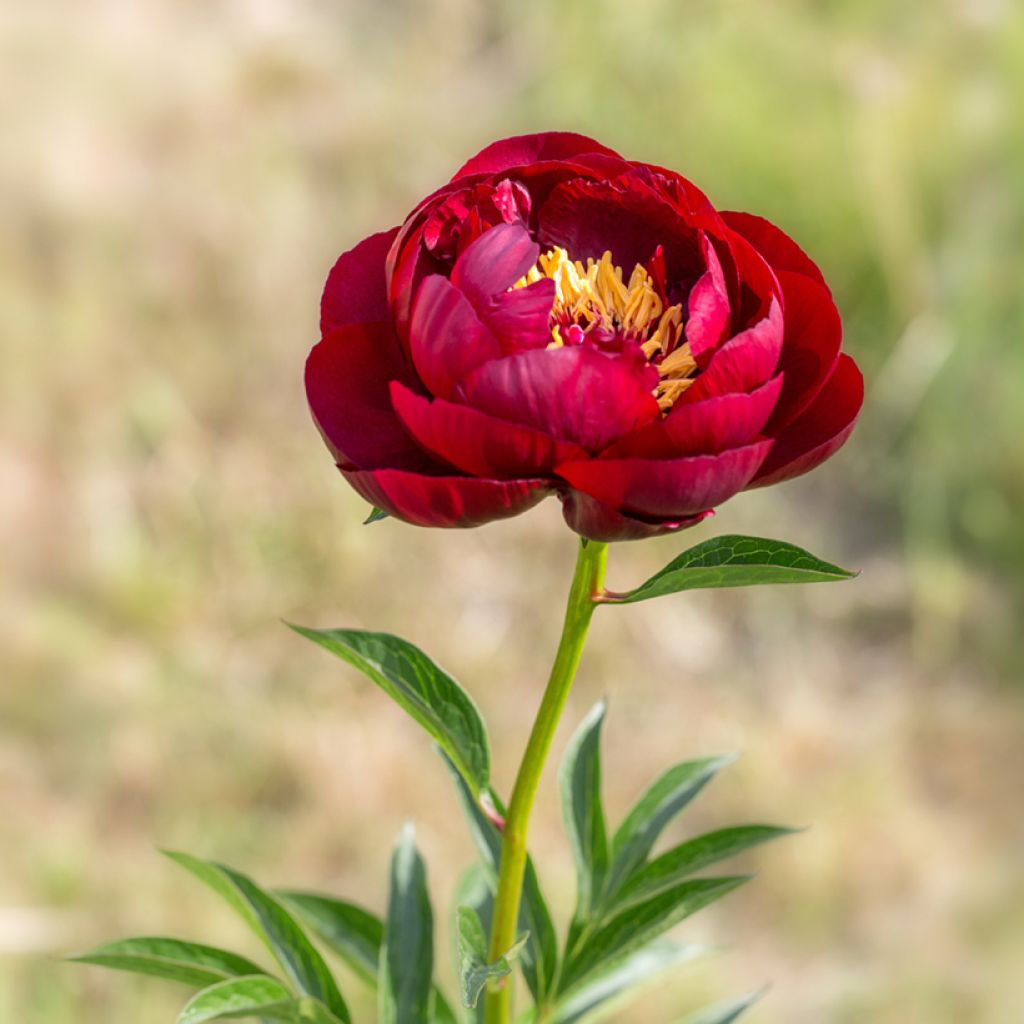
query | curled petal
(597,521)
(574,394)
(667,488)
(356,289)
(820,431)
(446,338)
(347,379)
(781,252)
(521,150)
(707,306)
(494,261)
(476,443)
(450,501)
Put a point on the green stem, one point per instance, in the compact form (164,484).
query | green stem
(587,584)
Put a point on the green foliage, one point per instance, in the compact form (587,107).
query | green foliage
(375,516)
(256,996)
(475,967)
(726,1013)
(734,561)
(423,689)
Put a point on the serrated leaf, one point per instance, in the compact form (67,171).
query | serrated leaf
(539,959)
(303,966)
(673,866)
(734,561)
(407,958)
(256,996)
(662,801)
(191,963)
(420,687)
(641,923)
(726,1013)
(474,969)
(355,934)
(375,516)
(607,991)
(580,781)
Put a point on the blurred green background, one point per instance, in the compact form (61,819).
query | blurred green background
(176,179)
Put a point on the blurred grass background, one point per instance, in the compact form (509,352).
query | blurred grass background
(176,179)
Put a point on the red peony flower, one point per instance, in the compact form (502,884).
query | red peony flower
(559,320)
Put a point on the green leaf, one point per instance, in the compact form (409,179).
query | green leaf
(475,970)
(734,561)
(375,516)
(726,1014)
(665,798)
(673,866)
(407,959)
(539,959)
(188,962)
(256,996)
(275,927)
(641,923)
(353,933)
(473,890)
(421,688)
(580,779)
(606,991)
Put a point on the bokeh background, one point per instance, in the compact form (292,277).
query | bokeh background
(175,180)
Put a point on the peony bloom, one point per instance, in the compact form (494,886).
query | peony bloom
(559,320)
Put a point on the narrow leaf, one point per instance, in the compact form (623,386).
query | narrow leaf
(421,688)
(580,779)
(407,958)
(257,996)
(474,891)
(607,991)
(474,969)
(375,516)
(726,1013)
(673,866)
(188,962)
(734,561)
(641,923)
(539,959)
(275,927)
(654,810)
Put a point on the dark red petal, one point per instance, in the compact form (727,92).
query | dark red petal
(521,150)
(597,521)
(707,306)
(781,252)
(820,431)
(445,500)
(667,488)
(347,380)
(703,428)
(494,262)
(574,394)
(477,443)
(446,338)
(520,319)
(743,363)
(356,289)
(814,334)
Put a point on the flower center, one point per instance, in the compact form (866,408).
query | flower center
(593,304)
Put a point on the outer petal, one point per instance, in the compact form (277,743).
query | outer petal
(814,334)
(820,431)
(781,252)
(528,149)
(356,289)
(445,500)
(574,394)
(667,488)
(446,338)
(347,379)
(477,443)
(597,521)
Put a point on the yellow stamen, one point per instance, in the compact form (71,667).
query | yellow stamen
(595,295)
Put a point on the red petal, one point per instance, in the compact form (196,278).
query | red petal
(667,488)
(597,521)
(703,428)
(446,338)
(743,363)
(574,394)
(820,431)
(707,306)
(445,500)
(477,443)
(356,289)
(521,319)
(814,333)
(521,150)
(347,379)
(781,252)
(494,262)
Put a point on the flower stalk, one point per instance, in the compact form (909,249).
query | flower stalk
(587,585)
